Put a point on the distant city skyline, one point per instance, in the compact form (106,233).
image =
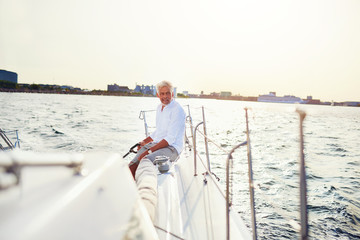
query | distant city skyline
(301,48)
(116,90)
(186,91)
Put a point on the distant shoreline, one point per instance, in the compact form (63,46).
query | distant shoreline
(125,94)
(75,92)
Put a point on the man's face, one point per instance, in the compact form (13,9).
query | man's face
(165,95)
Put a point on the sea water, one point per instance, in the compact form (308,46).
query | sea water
(85,123)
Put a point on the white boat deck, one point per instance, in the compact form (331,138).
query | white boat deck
(190,209)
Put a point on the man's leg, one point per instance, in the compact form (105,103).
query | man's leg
(135,162)
(168,151)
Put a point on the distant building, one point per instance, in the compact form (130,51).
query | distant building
(8,76)
(271,97)
(215,94)
(151,90)
(137,89)
(148,90)
(352,104)
(186,93)
(225,94)
(66,87)
(117,88)
(194,95)
(310,100)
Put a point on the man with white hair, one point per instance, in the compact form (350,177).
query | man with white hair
(168,138)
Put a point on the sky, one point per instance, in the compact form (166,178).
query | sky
(291,47)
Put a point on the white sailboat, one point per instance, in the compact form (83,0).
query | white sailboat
(94,196)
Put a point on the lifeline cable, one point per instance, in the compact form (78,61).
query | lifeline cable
(172,234)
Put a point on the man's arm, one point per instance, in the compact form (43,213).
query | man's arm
(176,126)
(163,143)
(144,142)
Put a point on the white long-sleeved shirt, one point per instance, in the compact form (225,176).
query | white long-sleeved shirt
(170,125)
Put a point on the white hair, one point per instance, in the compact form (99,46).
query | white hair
(164,84)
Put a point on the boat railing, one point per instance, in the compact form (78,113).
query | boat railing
(6,143)
(142,116)
(303,188)
(227,196)
(303,227)
(11,165)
